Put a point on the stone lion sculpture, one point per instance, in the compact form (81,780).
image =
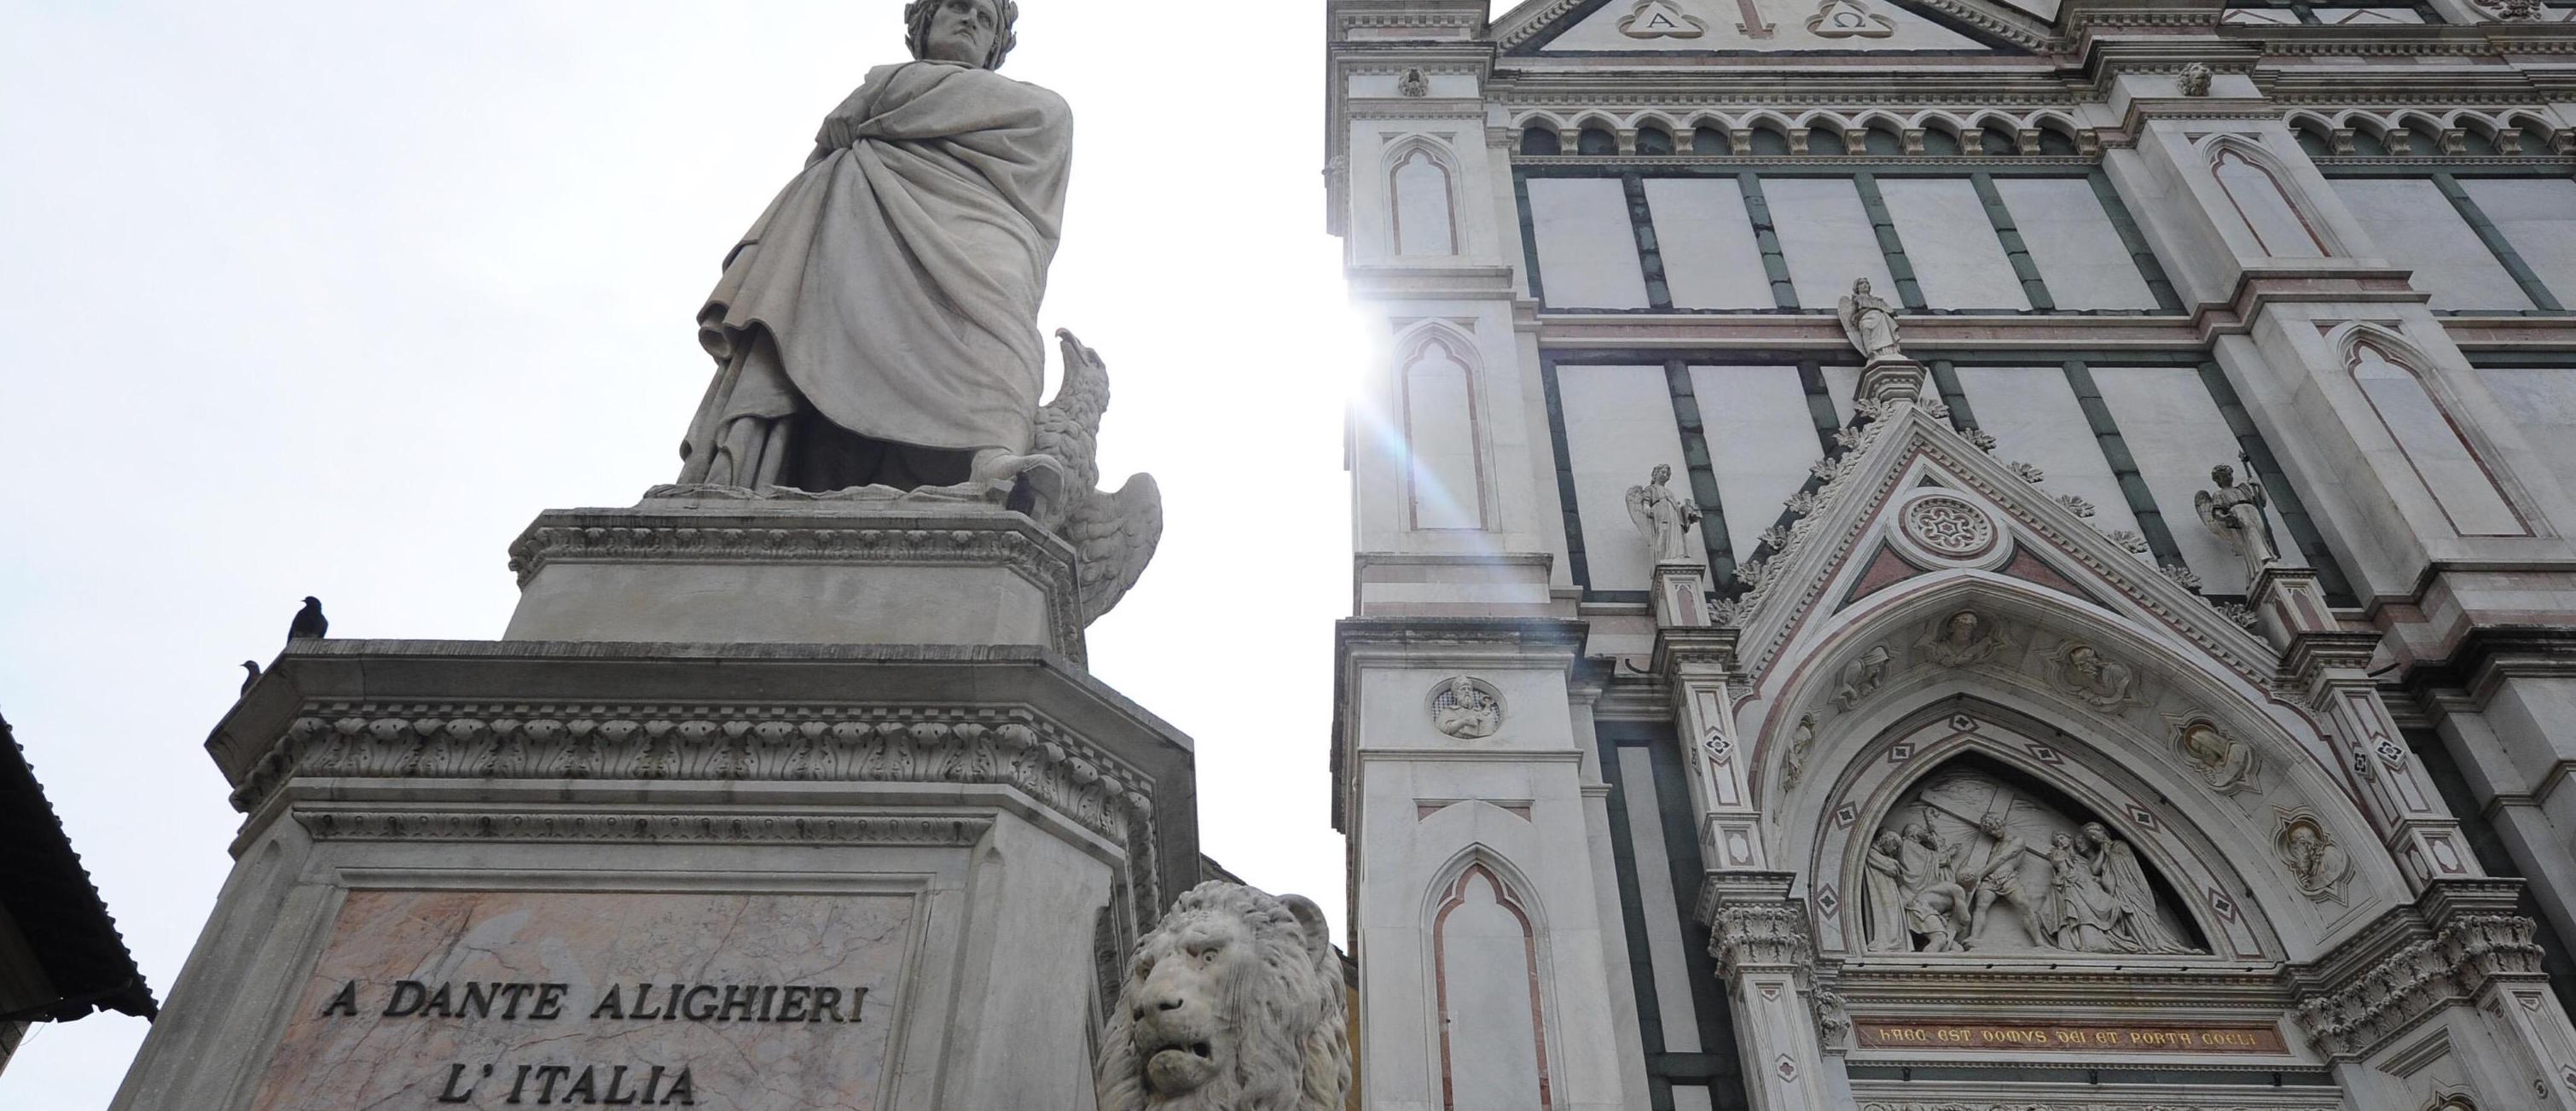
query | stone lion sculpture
(1233,1003)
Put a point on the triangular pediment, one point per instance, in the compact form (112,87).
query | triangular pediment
(1647,28)
(1910,499)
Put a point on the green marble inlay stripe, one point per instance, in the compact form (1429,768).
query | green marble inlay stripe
(1820,404)
(1898,266)
(1703,471)
(1529,238)
(1650,256)
(2124,466)
(2136,242)
(1579,566)
(1775,265)
(2024,267)
(1945,378)
(2498,245)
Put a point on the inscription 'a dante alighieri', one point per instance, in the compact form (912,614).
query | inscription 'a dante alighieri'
(505,999)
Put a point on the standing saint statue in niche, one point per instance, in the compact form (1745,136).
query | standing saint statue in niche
(878,323)
(1663,518)
(2235,513)
(1870,323)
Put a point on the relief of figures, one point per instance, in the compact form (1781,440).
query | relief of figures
(2226,764)
(1962,639)
(1970,863)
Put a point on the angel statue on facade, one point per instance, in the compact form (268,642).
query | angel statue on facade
(1869,322)
(2235,512)
(1663,518)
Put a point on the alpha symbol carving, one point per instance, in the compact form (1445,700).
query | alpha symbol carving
(1848,19)
(1661,19)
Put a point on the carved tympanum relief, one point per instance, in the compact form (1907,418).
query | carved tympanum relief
(1962,639)
(2226,764)
(2082,670)
(1972,862)
(1466,708)
(2311,854)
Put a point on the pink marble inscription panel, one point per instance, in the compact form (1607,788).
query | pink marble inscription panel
(465,999)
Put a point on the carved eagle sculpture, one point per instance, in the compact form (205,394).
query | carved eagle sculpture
(1113,535)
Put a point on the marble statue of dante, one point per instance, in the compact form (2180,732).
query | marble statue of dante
(2235,512)
(878,323)
(1662,517)
(1869,322)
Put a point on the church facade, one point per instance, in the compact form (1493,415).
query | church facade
(1806,652)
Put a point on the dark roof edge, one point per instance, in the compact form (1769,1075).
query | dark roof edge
(56,907)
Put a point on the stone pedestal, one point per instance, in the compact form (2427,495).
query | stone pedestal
(757,807)
(795,572)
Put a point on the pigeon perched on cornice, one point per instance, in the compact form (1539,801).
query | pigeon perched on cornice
(251,666)
(1113,535)
(309,623)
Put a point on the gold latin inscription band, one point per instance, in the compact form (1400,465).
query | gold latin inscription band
(2085,1037)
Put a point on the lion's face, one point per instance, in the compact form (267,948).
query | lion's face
(1233,1003)
(1180,975)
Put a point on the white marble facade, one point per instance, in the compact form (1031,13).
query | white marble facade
(2233,814)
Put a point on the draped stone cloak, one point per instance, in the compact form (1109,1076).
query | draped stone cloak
(897,278)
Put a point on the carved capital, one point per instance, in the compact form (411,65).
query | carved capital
(1760,935)
(2400,990)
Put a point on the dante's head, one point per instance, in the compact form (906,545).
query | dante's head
(967,32)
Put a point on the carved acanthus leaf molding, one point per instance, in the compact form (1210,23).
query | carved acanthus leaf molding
(2397,993)
(1764,935)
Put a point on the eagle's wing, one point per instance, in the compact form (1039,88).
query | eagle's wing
(1113,537)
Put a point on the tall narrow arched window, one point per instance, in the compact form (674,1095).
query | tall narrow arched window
(2425,432)
(1596,140)
(1444,476)
(1541,140)
(1654,140)
(2278,225)
(1493,1048)
(1710,140)
(1425,224)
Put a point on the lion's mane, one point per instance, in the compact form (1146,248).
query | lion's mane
(1291,1048)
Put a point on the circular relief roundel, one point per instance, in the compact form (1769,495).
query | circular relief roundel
(1949,526)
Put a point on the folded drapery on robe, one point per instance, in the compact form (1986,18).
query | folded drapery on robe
(899,275)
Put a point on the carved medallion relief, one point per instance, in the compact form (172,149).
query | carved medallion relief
(1466,708)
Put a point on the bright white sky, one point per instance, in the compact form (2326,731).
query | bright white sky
(320,297)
